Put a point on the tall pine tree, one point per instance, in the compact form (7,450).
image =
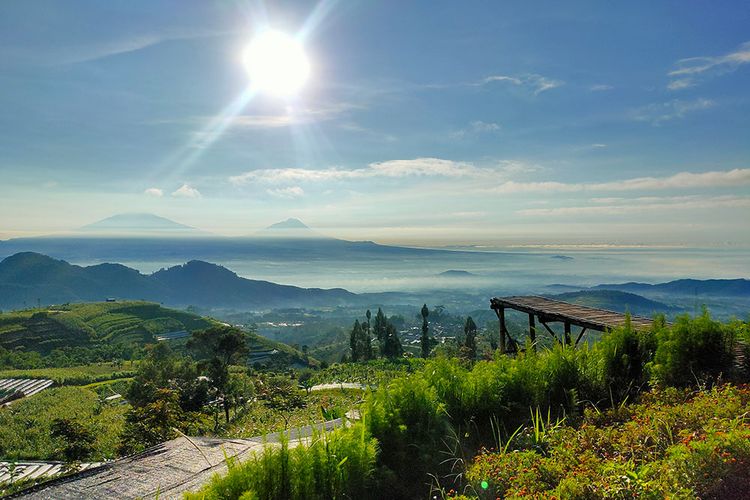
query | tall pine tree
(355,341)
(368,338)
(392,347)
(470,330)
(379,329)
(425,340)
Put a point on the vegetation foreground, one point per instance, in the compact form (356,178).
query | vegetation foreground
(639,414)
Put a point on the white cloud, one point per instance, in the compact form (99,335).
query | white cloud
(659,113)
(156,192)
(185,191)
(287,192)
(681,180)
(418,167)
(680,84)
(480,126)
(647,204)
(476,127)
(688,71)
(537,83)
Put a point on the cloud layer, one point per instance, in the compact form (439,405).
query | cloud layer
(681,180)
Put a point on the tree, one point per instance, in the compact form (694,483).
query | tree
(354,341)
(152,423)
(368,337)
(305,380)
(379,328)
(470,332)
(217,348)
(78,440)
(492,335)
(425,340)
(280,394)
(392,344)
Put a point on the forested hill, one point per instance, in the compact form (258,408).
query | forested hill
(718,287)
(28,279)
(615,300)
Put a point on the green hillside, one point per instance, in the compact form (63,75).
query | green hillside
(89,325)
(105,325)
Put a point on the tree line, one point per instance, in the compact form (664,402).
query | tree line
(389,344)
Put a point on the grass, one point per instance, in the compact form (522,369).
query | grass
(330,465)
(368,373)
(77,375)
(25,425)
(258,419)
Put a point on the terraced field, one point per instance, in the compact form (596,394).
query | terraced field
(86,325)
(118,324)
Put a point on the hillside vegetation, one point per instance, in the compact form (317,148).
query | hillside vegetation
(80,334)
(448,428)
(91,325)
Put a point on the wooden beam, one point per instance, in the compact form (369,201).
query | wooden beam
(501,316)
(567,333)
(583,330)
(532,331)
(554,335)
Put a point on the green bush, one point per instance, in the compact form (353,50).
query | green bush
(693,351)
(409,421)
(330,465)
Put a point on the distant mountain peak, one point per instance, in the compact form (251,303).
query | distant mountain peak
(290,228)
(290,223)
(138,223)
(456,273)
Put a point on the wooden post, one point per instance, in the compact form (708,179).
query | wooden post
(501,317)
(567,333)
(532,331)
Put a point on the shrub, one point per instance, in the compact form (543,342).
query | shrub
(330,465)
(409,421)
(693,350)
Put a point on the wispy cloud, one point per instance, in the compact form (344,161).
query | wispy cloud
(675,109)
(186,191)
(537,83)
(392,169)
(155,192)
(600,87)
(688,72)
(101,48)
(287,193)
(476,127)
(647,204)
(681,180)
(294,116)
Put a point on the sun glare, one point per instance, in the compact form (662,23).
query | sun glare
(276,63)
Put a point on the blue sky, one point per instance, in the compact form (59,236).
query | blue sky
(422,122)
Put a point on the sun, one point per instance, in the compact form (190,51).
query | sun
(276,63)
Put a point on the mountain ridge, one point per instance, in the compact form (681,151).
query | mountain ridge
(28,278)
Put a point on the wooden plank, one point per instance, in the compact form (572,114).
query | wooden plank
(550,310)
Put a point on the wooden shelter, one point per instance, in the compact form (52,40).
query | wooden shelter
(548,311)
